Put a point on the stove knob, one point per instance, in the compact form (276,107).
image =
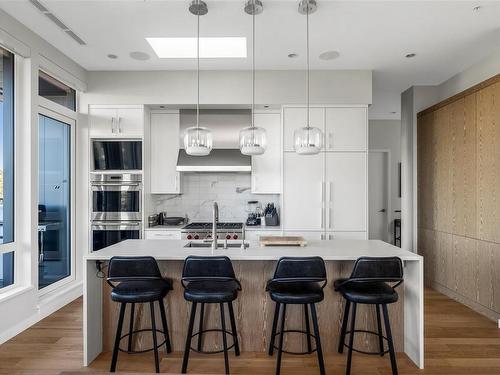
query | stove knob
(189,237)
(196,237)
(228,236)
(209,236)
(235,236)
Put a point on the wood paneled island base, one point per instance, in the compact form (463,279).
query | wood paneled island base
(254,310)
(254,313)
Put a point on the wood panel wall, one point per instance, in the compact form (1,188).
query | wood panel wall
(458,147)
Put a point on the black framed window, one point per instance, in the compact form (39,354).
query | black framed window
(6,168)
(56,91)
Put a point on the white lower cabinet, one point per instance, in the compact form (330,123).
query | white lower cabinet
(162,234)
(308,235)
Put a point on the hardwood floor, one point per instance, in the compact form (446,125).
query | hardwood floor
(458,341)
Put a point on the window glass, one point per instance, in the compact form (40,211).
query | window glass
(6,165)
(56,91)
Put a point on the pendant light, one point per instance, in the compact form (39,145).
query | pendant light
(198,140)
(253,139)
(307,140)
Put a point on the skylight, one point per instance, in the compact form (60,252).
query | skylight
(210,48)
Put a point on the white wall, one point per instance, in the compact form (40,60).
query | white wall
(386,135)
(23,307)
(227,87)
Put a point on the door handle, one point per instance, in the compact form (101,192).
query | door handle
(118,126)
(382,210)
(112,124)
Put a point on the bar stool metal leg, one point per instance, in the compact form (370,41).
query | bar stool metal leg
(224,340)
(117,338)
(282,335)
(200,326)
(189,335)
(153,331)
(319,351)
(308,328)
(387,324)
(273,330)
(166,333)
(131,326)
(233,329)
(344,327)
(351,339)
(380,334)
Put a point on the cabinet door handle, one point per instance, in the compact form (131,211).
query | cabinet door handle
(119,127)
(177,182)
(330,186)
(112,124)
(322,211)
(330,143)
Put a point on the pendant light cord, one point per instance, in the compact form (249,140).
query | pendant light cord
(307,62)
(253,65)
(198,74)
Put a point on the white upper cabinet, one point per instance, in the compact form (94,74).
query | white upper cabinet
(116,121)
(295,118)
(303,192)
(346,129)
(345,188)
(164,149)
(266,168)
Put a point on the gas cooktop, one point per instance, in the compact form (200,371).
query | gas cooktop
(208,226)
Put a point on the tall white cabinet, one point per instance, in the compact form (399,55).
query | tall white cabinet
(325,195)
(163,151)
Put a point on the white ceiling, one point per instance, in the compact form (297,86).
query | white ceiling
(447,36)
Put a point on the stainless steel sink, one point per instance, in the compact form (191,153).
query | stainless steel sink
(220,245)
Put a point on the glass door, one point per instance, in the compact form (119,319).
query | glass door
(54,201)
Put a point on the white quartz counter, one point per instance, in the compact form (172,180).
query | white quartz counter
(328,250)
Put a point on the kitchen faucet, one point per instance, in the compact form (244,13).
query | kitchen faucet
(215,219)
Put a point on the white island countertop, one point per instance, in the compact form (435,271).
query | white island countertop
(328,250)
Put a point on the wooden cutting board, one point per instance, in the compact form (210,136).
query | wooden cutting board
(282,241)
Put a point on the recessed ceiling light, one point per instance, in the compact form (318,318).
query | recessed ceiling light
(410,55)
(393,112)
(112,56)
(266,106)
(329,55)
(141,56)
(210,48)
(476,8)
(293,55)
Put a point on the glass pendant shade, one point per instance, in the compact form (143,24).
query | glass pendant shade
(253,141)
(307,140)
(197,141)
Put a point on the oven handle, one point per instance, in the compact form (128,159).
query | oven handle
(116,187)
(115,225)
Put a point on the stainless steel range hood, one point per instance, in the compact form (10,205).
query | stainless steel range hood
(219,160)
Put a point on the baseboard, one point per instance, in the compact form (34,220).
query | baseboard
(47,305)
(483,310)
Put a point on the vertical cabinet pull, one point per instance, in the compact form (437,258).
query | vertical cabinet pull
(322,211)
(112,124)
(119,126)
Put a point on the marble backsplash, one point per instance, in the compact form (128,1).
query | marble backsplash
(199,190)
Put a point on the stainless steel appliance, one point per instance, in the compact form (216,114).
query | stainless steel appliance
(117,155)
(116,196)
(203,231)
(107,233)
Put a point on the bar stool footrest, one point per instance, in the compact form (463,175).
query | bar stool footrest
(296,331)
(362,351)
(212,351)
(144,350)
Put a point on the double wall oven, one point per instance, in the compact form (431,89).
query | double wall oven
(116,208)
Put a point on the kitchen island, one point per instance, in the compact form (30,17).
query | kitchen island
(254,310)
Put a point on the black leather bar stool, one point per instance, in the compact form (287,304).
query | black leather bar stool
(368,285)
(210,280)
(297,281)
(138,280)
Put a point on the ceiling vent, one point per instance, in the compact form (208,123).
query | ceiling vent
(57,21)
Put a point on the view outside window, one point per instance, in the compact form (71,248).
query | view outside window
(6,167)
(56,91)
